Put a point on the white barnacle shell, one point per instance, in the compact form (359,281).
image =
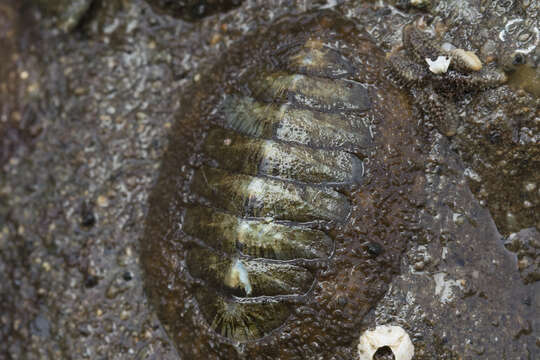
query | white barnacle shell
(440,65)
(386,335)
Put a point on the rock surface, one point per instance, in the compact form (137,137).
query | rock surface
(86,116)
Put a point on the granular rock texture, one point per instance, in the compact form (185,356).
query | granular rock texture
(87,114)
(526,245)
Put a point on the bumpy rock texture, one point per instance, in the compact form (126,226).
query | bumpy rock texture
(87,116)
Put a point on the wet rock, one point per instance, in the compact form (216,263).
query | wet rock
(18,122)
(193,10)
(460,289)
(64,89)
(88,219)
(412,4)
(91,281)
(68,13)
(499,142)
(375,248)
(120,283)
(526,245)
(41,326)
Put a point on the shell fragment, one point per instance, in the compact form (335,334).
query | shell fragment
(439,66)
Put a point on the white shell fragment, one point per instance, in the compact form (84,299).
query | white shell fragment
(439,66)
(386,335)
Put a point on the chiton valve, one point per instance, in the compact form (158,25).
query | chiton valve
(245,236)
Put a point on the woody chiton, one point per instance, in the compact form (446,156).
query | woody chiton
(283,199)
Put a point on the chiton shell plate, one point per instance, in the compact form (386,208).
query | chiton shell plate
(280,211)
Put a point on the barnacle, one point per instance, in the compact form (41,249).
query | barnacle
(439,75)
(392,336)
(465,60)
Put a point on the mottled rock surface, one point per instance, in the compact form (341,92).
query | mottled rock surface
(87,114)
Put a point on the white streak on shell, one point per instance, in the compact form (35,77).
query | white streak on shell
(386,335)
(439,66)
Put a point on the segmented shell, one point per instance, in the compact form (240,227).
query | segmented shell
(258,236)
(270,172)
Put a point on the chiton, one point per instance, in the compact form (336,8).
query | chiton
(285,197)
